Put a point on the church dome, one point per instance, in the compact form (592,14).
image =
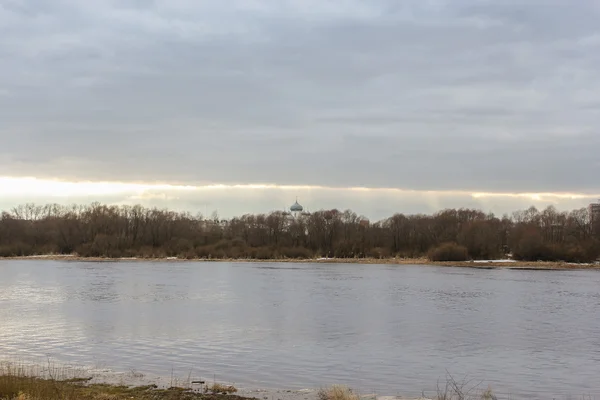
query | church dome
(296,207)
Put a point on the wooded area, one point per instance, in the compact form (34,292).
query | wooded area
(99,230)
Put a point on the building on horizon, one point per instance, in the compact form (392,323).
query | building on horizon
(296,209)
(594,210)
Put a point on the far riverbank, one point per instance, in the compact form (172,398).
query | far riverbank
(479,264)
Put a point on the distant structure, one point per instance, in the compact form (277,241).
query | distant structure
(595,217)
(296,209)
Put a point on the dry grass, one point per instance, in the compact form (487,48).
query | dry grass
(66,384)
(464,390)
(337,392)
(28,388)
(36,383)
(525,265)
(220,388)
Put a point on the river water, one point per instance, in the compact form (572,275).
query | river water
(378,328)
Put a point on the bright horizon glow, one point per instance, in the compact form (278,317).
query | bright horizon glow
(31,186)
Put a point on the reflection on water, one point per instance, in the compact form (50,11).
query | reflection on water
(388,329)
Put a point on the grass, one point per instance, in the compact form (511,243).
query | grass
(337,392)
(454,390)
(20,382)
(35,383)
(220,388)
(524,265)
(27,388)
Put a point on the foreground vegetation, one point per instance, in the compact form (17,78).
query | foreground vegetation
(15,387)
(20,387)
(452,390)
(99,230)
(51,383)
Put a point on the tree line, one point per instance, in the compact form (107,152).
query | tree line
(99,230)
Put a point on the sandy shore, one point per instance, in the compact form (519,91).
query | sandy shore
(479,264)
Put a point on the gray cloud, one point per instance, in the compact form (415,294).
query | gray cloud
(426,95)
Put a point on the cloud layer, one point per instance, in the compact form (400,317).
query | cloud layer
(235,200)
(420,95)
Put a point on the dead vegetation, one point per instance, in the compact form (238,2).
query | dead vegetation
(52,383)
(220,388)
(337,392)
(22,382)
(104,231)
(28,388)
(448,252)
(463,390)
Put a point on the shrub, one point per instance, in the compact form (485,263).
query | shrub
(262,253)
(210,252)
(16,250)
(102,246)
(337,392)
(217,388)
(177,246)
(223,245)
(409,253)
(300,253)
(378,252)
(530,247)
(151,252)
(481,239)
(448,252)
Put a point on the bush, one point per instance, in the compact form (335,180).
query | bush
(217,388)
(573,253)
(300,253)
(177,246)
(337,392)
(530,247)
(409,253)
(16,250)
(481,239)
(262,253)
(102,246)
(378,252)
(149,252)
(448,252)
(210,252)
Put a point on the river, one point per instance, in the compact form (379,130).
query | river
(377,328)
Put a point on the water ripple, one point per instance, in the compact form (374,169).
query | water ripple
(377,328)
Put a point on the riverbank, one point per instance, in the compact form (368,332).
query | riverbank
(34,382)
(30,388)
(478,264)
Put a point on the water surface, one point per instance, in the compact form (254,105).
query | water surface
(383,328)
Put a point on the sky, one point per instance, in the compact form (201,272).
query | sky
(380,106)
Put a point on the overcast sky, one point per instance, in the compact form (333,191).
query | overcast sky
(453,96)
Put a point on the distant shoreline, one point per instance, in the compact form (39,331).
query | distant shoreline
(477,264)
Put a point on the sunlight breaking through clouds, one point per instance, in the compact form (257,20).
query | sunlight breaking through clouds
(231,200)
(59,188)
(56,188)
